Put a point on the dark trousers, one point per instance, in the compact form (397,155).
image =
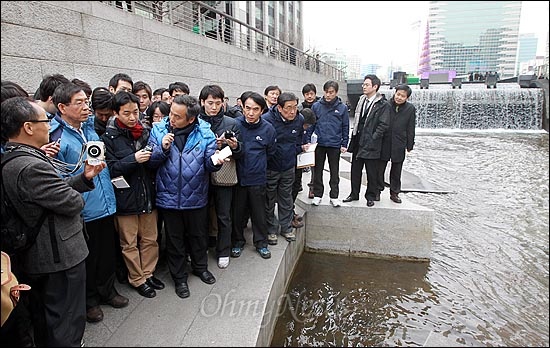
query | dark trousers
(58,307)
(181,226)
(100,263)
(373,178)
(223,198)
(279,192)
(250,199)
(297,185)
(356,175)
(333,155)
(395,176)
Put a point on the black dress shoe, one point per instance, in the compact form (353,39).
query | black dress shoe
(182,290)
(350,198)
(205,276)
(395,198)
(370,203)
(155,283)
(146,291)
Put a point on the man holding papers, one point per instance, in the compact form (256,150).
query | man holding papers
(289,128)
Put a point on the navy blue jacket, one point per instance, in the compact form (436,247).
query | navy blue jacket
(258,145)
(332,127)
(289,140)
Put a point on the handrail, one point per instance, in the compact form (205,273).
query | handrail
(205,20)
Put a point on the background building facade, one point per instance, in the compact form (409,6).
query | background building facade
(474,36)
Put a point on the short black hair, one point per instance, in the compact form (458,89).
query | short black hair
(113,82)
(178,86)
(102,98)
(308,87)
(309,116)
(404,87)
(15,112)
(11,89)
(123,98)
(49,84)
(164,108)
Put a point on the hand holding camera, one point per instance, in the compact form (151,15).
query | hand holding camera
(95,151)
(92,170)
(144,154)
(229,134)
(231,139)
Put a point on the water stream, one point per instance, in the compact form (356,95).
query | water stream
(487,282)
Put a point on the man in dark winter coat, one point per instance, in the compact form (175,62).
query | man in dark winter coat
(398,138)
(370,124)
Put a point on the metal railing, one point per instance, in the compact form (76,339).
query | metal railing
(202,19)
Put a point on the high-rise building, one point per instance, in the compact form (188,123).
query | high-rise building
(527,50)
(280,19)
(474,36)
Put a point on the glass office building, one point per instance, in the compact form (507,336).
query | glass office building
(474,36)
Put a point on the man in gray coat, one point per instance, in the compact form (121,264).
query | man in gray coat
(54,266)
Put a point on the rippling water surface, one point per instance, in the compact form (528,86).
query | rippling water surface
(487,281)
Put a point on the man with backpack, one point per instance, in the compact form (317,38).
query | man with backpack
(54,265)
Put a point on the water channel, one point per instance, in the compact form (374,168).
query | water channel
(487,282)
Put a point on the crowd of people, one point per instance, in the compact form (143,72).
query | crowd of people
(152,181)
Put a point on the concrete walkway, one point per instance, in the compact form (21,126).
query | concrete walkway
(240,309)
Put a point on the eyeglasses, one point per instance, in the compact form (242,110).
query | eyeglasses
(47,120)
(366,85)
(80,103)
(291,108)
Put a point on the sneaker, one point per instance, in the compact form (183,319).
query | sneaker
(223,262)
(316,201)
(236,252)
(290,236)
(264,252)
(335,202)
(272,239)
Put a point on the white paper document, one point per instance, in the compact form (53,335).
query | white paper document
(223,154)
(307,158)
(120,182)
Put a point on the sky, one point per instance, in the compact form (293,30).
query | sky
(390,32)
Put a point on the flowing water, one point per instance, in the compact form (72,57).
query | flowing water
(487,281)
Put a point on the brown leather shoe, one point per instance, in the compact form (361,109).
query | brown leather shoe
(94,314)
(118,301)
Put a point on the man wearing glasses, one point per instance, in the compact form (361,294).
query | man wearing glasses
(55,270)
(289,129)
(74,126)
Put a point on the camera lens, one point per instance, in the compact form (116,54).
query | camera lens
(94,151)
